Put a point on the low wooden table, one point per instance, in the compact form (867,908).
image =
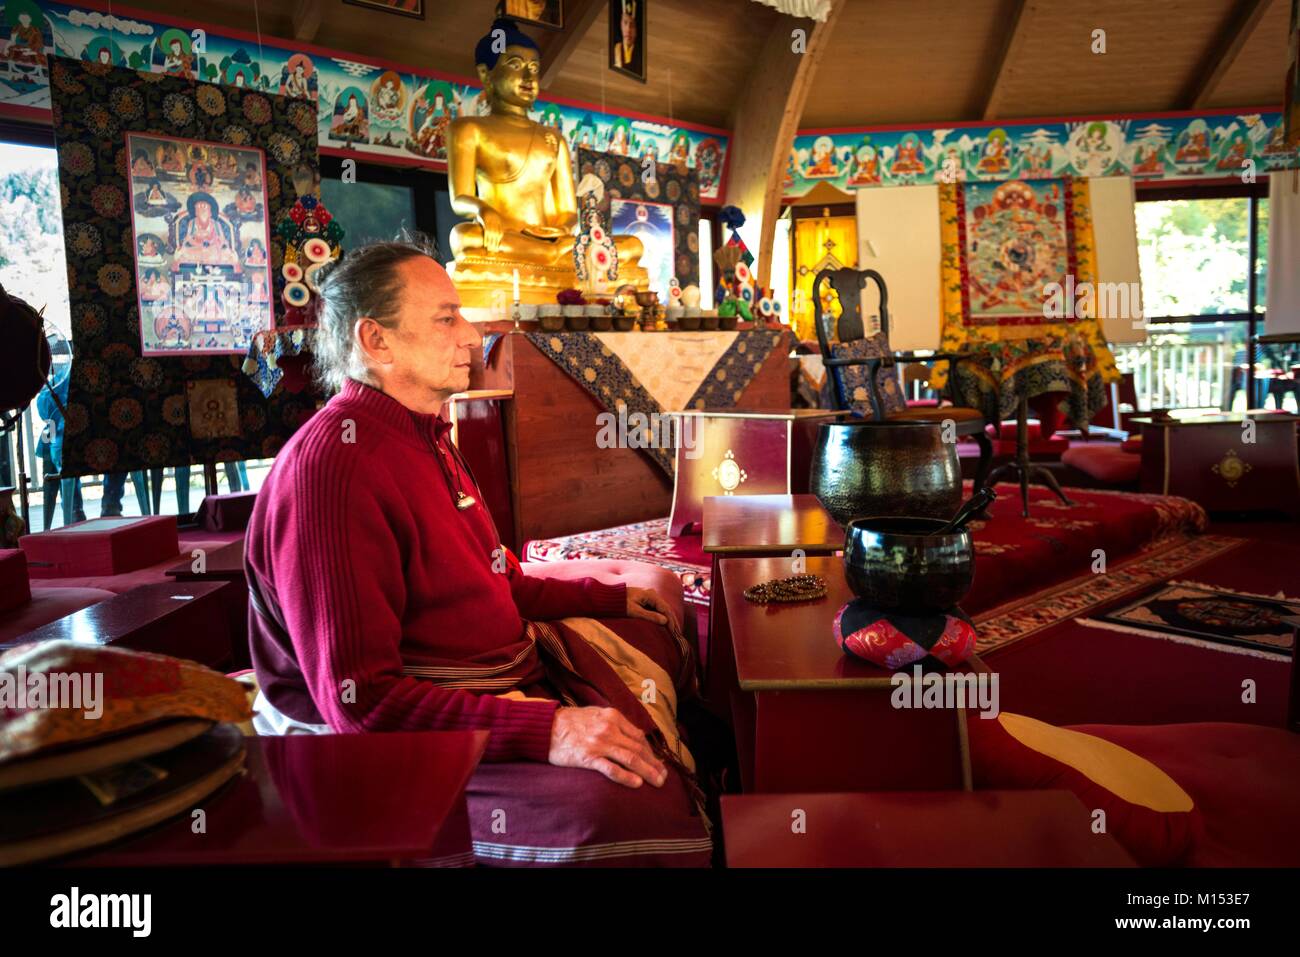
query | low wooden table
(181,619)
(325,799)
(808,717)
(740,526)
(224,564)
(918,829)
(1206,458)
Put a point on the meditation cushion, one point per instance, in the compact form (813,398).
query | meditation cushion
(1132,444)
(1004,440)
(1146,810)
(100,546)
(896,641)
(1107,462)
(1243,779)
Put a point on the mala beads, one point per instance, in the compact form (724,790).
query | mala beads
(794,588)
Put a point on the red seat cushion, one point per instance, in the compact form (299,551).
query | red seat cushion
(1243,778)
(1132,444)
(1145,807)
(1107,463)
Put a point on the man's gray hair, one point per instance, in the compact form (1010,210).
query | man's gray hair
(366,281)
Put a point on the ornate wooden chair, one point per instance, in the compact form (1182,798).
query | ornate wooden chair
(861,367)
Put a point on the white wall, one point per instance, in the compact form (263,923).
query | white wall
(898,236)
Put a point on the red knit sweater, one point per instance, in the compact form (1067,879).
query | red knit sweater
(378,578)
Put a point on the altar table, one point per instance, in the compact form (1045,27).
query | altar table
(916,829)
(560,481)
(326,799)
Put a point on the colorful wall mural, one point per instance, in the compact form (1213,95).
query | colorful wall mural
(1210,145)
(363,105)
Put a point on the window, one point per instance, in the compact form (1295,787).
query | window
(1204,260)
(381,201)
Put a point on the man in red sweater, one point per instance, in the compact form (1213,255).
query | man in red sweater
(382,598)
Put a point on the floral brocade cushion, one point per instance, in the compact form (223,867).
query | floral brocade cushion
(855,380)
(896,641)
(62,692)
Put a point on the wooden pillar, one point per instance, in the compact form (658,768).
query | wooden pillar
(764,121)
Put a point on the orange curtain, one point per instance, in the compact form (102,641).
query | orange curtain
(830,242)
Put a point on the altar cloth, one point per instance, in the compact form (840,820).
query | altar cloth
(654,373)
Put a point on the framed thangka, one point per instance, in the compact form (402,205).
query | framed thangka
(201,239)
(542,13)
(657,202)
(652,223)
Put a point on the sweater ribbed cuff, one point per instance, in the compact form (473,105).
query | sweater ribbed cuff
(607,601)
(524,734)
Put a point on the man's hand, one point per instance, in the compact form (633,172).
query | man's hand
(601,739)
(646,603)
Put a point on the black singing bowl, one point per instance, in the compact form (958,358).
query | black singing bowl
(894,565)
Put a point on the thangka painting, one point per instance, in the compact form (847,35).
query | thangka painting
(172,192)
(356,103)
(199,220)
(1170,146)
(652,223)
(656,201)
(1016,241)
(1006,246)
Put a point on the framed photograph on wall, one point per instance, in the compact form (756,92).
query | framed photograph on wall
(541,13)
(407,8)
(627,38)
(202,241)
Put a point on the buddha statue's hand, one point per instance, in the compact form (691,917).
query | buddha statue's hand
(601,739)
(494,227)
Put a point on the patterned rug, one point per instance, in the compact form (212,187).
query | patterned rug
(639,542)
(1164,560)
(1014,556)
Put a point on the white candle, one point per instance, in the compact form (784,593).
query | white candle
(516,285)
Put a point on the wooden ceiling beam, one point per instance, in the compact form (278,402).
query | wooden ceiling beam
(1223,54)
(1017,38)
(306,20)
(764,121)
(558,46)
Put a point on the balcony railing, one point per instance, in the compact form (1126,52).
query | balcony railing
(1181,375)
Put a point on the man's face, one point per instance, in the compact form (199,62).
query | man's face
(432,343)
(628,26)
(514,78)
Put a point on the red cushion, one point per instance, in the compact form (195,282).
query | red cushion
(1132,444)
(100,546)
(1244,779)
(1146,810)
(1108,463)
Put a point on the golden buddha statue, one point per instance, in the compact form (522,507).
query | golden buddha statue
(513,178)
